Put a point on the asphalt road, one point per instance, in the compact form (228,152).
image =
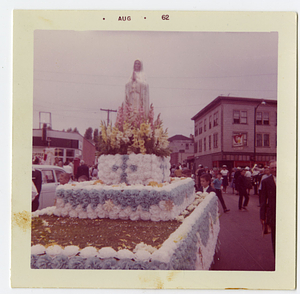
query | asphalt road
(242,246)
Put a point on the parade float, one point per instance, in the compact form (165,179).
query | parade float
(135,216)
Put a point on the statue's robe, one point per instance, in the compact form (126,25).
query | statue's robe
(137,94)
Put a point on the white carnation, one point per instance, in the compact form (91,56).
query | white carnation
(142,255)
(38,249)
(64,212)
(54,250)
(125,253)
(92,214)
(82,214)
(68,207)
(70,251)
(145,215)
(107,252)
(73,213)
(60,203)
(57,212)
(88,252)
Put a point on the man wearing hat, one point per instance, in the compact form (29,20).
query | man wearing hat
(225,172)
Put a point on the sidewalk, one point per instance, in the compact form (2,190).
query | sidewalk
(242,246)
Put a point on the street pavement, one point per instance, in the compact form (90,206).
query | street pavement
(242,246)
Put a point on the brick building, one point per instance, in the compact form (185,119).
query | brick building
(225,131)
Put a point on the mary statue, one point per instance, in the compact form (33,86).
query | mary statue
(137,89)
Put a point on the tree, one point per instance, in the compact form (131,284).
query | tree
(96,135)
(88,133)
(75,130)
(69,130)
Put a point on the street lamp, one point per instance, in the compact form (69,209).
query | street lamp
(255,109)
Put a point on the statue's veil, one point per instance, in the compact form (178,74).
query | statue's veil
(140,75)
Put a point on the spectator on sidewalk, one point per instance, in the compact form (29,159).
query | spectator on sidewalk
(268,202)
(178,172)
(199,172)
(37,181)
(236,176)
(232,183)
(83,169)
(172,171)
(94,173)
(266,173)
(225,173)
(242,187)
(217,185)
(248,177)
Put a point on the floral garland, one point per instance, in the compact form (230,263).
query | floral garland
(154,202)
(134,132)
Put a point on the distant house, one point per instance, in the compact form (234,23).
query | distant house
(182,148)
(62,145)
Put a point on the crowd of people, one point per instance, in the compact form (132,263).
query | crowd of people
(242,181)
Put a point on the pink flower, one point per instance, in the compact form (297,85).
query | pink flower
(120,118)
(151,115)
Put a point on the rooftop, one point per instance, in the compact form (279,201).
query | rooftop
(221,99)
(179,138)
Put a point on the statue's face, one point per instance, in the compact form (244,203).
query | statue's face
(137,65)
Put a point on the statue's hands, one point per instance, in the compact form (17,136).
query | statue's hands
(134,76)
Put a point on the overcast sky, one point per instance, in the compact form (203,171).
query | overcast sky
(77,73)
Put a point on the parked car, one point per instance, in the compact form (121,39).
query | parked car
(50,180)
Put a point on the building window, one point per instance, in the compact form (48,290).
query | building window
(204,144)
(195,147)
(258,140)
(215,139)
(200,128)
(266,140)
(210,121)
(196,131)
(262,140)
(239,117)
(59,152)
(200,145)
(216,118)
(70,152)
(243,117)
(266,119)
(239,139)
(209,142)
(186,146)
(205,125)
(262,118)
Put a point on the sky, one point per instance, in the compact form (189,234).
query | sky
(77,73)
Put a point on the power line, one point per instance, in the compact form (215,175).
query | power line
(162,77)
(153,87)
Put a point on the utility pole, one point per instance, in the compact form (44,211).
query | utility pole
(108,111)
